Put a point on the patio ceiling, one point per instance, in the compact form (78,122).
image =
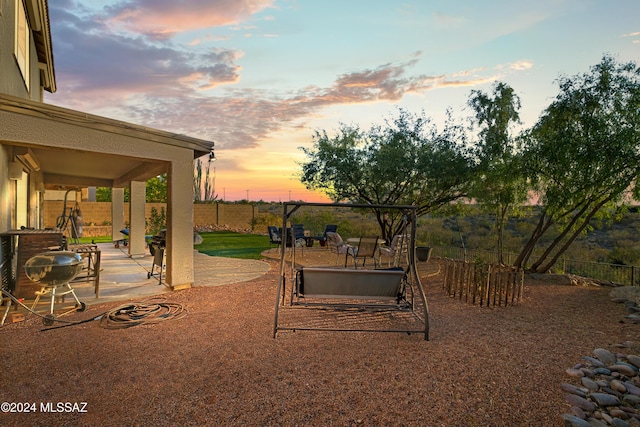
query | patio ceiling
(73,168)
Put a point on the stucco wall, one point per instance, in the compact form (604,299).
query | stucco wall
(11,82)
(5,192)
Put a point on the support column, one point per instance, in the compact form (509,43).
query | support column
(117,213)
(180,222)
(137,200)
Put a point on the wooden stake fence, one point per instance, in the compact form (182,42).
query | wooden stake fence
(486,284)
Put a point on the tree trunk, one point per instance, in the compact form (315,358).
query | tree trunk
(575,234)
(526,252)
(535,267)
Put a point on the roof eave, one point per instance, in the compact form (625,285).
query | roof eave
(38,13)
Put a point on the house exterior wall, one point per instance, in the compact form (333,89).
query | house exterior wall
(11,82)
(26,122)
(5,191)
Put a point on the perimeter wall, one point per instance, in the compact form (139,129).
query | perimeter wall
(96,216)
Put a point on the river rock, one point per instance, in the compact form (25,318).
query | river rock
(580,402)
(618,413)
(610,391)
(623,369)
(605,356)
(573,372)
(587,372)
(573,421)
(578,412)
(617,422)
(594,422)
(631,293)
(607,418)
(593,361)
(604,399)
(570,388)
(618,386)
(630,365)
(634,360)
(590,384)
(632,388)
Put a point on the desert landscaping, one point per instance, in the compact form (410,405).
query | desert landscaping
(220,365)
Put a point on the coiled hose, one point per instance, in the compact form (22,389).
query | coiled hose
(123,316)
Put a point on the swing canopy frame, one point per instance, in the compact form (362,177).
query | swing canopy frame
(356,291)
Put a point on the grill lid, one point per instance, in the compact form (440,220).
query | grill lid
(53,267)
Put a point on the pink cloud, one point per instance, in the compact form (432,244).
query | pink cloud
(163,18)
(241,119)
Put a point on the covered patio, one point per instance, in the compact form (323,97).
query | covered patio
(49,147)
(123,278)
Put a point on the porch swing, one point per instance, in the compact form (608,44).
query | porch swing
(322,298)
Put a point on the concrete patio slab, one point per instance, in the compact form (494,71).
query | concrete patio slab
(123,278)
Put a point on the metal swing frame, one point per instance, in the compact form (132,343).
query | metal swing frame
(411,280)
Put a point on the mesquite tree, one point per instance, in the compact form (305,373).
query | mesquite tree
(582,156)
(408,161)
(500,186)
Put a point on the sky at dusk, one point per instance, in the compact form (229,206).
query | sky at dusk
(259,77)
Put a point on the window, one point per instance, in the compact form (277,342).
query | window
(21,46)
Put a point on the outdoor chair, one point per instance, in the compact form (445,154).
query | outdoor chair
(294,236)
(399,247)
(274,236)
(330,228)
(338,246)
(299,239)
(298,234)
(367,248)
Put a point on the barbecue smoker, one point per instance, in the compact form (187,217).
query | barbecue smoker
(158,241)
(54,270)
(157,244)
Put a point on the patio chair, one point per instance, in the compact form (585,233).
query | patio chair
(338,246)
(298,235)
(399,247)
(274,236)
(330,228)
(367,248)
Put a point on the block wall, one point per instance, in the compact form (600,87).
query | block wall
(98,215)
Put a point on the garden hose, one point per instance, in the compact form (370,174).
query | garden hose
(123,316)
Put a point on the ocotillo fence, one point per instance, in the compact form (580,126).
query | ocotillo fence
(481,283)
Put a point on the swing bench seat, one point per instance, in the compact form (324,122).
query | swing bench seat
(340,283)
(333,299)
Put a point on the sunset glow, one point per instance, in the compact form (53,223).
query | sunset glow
(258,77)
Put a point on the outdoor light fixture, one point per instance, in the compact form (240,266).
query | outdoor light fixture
(15,171)
(28,158)
(212,156)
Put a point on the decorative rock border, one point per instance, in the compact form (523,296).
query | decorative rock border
(630,297)
(609,394)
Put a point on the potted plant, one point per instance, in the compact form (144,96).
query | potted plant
(423,253)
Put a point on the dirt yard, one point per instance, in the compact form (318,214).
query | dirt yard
(220,365)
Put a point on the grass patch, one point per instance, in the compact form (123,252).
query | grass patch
(218,243)
(233,245)
(98,239)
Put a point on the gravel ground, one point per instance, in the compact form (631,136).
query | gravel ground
(220,365)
